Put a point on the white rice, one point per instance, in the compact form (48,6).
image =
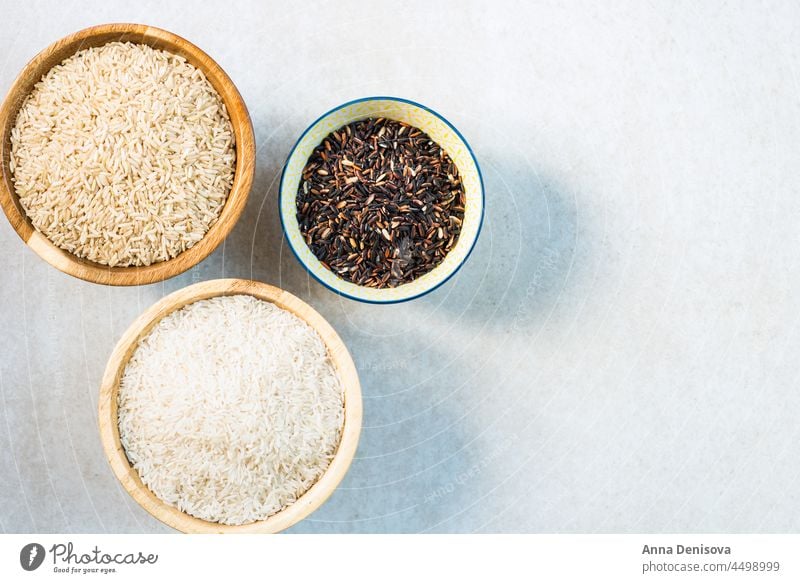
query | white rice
(230,409)
(123,155)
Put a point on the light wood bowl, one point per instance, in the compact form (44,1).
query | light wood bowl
(129,477)
(243,174)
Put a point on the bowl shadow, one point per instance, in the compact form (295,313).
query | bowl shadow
(525,257)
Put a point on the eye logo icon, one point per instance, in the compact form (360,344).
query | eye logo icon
(31,556)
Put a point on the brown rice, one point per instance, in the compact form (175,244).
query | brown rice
(123,155)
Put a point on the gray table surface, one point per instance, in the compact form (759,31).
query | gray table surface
(618,355)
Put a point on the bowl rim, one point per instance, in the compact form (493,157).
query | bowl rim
(474,161)
(108,426)
(244,169)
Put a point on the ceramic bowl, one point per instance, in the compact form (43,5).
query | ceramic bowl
(442,132)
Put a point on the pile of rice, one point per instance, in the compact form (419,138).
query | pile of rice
(123,155)
(230,409)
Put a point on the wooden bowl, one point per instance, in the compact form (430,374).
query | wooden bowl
(243,173)
(129,477)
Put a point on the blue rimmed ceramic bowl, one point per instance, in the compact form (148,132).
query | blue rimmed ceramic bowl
(442,132)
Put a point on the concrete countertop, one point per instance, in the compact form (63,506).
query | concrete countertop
(618,355)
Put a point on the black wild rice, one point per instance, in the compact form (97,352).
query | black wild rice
(380,203)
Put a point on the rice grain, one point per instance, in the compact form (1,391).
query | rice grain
(123,155)
(230,409)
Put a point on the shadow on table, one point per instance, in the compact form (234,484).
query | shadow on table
(420,459)
(524,257)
